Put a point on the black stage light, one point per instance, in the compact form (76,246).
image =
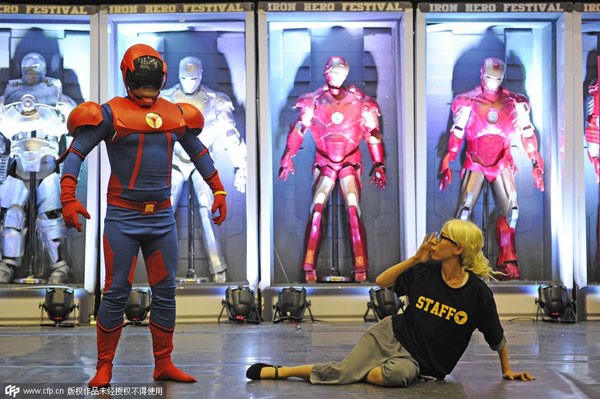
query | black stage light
(383,302)
(58,304)
(240,305)
(138,306)
(556,303)
(291,305)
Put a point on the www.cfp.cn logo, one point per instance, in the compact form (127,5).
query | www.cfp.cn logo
(12,391)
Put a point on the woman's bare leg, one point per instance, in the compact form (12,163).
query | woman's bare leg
(268,373)
(375,376)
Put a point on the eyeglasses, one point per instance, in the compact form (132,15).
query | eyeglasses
(439,237)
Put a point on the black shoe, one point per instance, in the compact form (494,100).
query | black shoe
(253,372)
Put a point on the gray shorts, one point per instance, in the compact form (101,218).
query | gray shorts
(378,347)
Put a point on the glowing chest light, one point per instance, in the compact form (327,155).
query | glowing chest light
(337,117)
(154,120)
(492,116)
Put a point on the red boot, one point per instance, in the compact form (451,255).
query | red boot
(510,270)
(162,345)
(107,344)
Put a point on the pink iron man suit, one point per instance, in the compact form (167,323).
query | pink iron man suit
(592,132)
(489,116)
(337,117)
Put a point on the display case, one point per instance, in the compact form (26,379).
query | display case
(221,37)
(534,40)
(590,38)
(47,67)
(587,26)
(296,40)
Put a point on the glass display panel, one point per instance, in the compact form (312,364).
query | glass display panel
(590,37)
(301,42)
(198,42)
(494,159)
(45,72)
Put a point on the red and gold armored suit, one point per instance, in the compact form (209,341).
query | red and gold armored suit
(488,117)
(592,128)
(338,118)
(140,131)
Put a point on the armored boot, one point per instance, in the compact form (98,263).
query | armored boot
(7,270)
(313,238)
(510,270)
(107,344)
(359,245)
(507,261)
(60,273)
(162,346)
(220,277)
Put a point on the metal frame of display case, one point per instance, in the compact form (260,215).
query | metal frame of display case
(19,304)
(588,300)
(328,14)
(174,17)
(563,175)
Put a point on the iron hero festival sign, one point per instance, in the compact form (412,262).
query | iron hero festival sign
(495,7)
(47,9)
(177,8)
(587,7)
(316,6)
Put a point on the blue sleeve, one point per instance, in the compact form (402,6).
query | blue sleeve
(197,152)
(88,137)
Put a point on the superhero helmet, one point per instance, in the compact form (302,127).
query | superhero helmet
(492,73)
(190,74)
(336,71)
(143,66)
(33,69)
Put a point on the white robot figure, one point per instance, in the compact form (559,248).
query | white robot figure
(219,126)
(33,112)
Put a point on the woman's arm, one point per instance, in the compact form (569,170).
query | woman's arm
(507,373)
(389,276)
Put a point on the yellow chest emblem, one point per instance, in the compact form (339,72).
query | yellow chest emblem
(154,120)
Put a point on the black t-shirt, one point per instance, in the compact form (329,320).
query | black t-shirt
(437,325)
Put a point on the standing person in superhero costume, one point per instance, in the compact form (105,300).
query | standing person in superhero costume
(338,118)
(140,131)
(219,127)
(488,117)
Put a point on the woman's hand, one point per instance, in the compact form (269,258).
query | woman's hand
(389,276)
(513,375)
(424,252)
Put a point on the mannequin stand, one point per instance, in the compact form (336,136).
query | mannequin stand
(335,276)
(190,277)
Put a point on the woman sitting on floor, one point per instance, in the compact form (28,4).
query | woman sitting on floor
(448,301)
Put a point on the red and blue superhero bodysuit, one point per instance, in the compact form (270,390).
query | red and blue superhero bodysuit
(139,138)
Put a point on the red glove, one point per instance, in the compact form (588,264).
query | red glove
(219,203)
(71,207)
(538,170)
(378,177)
(454,144)
(287,166)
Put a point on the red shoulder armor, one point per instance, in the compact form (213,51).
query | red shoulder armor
(307,99)
(87,114)
(520,98)
(357,92)
(192,116)
(464,99)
